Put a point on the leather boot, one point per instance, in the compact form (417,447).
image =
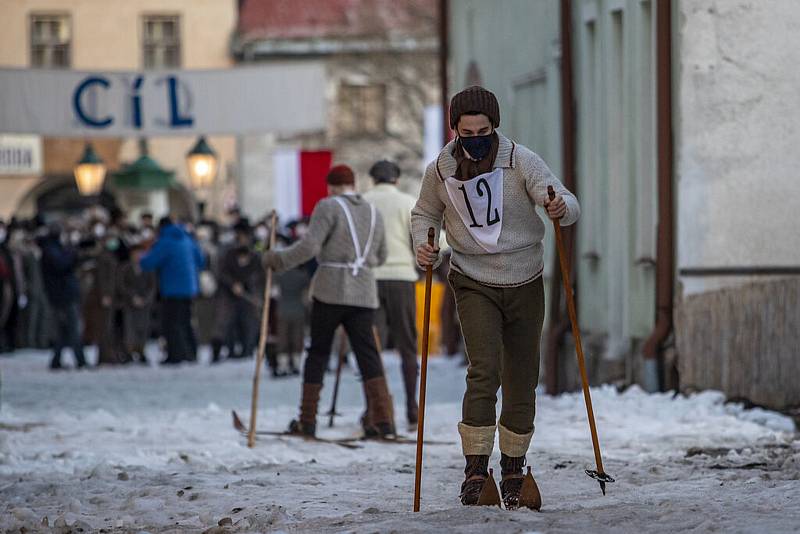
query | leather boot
(306,423)
(379,417)
(476,473)
(511,483)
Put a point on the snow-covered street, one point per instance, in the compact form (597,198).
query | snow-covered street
(152,449)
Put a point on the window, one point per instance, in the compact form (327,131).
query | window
(161,42)
(592,102)
(362,110)
(646,174)
(50,41)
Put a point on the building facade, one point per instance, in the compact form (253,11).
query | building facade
(732,186)
(135,35)
(381,88)
(615,95)
(738,245)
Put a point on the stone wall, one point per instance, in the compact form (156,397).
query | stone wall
(411,83)
(742,341)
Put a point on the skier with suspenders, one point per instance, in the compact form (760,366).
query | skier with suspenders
(484,186)
(346,235)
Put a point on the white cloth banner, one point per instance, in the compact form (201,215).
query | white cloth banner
(432,135)
(479,203)
(282,98)
(286,183)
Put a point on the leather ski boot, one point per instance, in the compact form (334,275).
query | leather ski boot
(378,421)
(479,487)
(306,423)
(518,490)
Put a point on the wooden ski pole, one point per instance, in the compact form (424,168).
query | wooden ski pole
(342,356)
(423,374)
(262,340)
(599,474)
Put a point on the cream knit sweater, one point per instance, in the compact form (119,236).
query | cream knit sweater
(520,256)
(395,208)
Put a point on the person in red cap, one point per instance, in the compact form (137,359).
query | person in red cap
(346,235)
(485,187)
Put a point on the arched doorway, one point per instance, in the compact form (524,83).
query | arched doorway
(56,197)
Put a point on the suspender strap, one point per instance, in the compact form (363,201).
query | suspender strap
(361,257)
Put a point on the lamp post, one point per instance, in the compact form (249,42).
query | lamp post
(90,172)
(202,163)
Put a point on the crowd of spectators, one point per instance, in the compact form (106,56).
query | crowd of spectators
(98,279)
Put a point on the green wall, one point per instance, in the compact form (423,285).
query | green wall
(615,92)
(515,45)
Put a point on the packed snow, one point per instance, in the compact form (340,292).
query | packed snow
(149,449)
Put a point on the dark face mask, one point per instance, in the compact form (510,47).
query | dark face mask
(477,146)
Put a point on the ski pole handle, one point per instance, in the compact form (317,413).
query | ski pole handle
(551,193)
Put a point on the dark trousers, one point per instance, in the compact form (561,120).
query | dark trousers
(67,333)
(397,319)
(241,328)
(137,328)
(176,321)
(357,322)
(107,337)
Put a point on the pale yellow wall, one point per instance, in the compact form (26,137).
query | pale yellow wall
(106,35)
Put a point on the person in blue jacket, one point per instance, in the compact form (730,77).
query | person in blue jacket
(177,260)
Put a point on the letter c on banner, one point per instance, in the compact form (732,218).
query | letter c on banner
(76,102)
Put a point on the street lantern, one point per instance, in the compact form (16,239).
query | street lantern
(90,172)
(202,163)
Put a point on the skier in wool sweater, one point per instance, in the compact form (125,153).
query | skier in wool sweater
(346,235)
(485,187)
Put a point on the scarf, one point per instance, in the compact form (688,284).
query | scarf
(467,169)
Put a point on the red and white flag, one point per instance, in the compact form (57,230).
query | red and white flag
(299,181)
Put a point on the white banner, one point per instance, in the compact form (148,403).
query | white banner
(282,98)
(20,154)
(432,137)
(286,183)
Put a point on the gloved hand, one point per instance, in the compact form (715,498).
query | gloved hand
(271,260)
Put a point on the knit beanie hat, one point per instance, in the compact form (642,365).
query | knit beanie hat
(384,171)
(341,175)
(474,99)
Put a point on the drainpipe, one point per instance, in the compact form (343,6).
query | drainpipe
(665,248)
(444,52)
(559,322)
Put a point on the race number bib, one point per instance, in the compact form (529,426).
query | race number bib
(479,203)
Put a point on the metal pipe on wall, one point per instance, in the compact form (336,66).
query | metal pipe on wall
(444,52)
(559,322)
(665,235)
